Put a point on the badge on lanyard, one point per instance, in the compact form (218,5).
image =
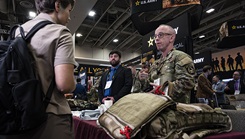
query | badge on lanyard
(157,81)
(108,84)
(237,92)
(132,89)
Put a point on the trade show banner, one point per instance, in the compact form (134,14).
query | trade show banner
(201,60)
(229,60)
(144,27)
(232,34)
(236,27)
(90,69)
(153,5)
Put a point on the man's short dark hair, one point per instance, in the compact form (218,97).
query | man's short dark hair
(217,76)
(115,52)
(48,6)
(78,80)
(206,68)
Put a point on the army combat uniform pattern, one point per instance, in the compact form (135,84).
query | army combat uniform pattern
(138,86)
(177,71)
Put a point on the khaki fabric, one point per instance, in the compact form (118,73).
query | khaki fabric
(51,46)
(133,110)
(154,116)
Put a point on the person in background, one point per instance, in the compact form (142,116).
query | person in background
(219,87)
(137,87)
(172,74)
(52,49)
(80,91)
(93,93)
(236,85)
(204,88)
(117,81)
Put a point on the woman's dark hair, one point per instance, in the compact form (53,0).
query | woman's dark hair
(48,6)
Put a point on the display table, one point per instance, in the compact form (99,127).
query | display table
(237,118)
(88,129)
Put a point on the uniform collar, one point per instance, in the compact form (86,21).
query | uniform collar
(168,56)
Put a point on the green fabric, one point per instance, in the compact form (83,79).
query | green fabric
(160,117)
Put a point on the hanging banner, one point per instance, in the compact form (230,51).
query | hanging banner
(177,3)
(153,5)
(201,60)
(90,69)
(236,27)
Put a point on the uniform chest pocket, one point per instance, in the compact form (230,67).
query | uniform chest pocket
(167,68)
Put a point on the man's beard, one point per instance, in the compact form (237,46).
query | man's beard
(114,63)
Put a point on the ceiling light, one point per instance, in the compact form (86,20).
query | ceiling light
(79,35)
(115,40)
(197,53)
(210,10)
(202,36)
(32,14)
(91,13)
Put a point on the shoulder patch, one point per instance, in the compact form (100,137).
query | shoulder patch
(190,69)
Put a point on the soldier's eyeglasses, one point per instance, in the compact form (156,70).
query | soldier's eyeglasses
(161,35)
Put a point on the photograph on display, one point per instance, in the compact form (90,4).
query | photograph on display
(229,60)
(176,3)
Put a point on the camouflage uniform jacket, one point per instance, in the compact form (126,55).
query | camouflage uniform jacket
(138,86)
(93,95)
(177,71)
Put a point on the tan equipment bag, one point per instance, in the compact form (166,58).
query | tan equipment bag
(152,116)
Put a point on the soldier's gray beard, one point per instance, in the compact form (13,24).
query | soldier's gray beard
(114,64)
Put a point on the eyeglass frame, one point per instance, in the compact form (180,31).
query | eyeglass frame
(161,35)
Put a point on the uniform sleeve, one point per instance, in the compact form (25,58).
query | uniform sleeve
(65,50)
(184,74)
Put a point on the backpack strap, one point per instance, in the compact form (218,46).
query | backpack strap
(12,32)
(49,93)
(36,28)
(27,38)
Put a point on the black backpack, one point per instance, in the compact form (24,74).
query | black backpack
(22,101)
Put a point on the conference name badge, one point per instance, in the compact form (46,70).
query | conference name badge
(108,84)
(157,81)
(237,92)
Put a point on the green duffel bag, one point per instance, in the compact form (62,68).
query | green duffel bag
(146,116)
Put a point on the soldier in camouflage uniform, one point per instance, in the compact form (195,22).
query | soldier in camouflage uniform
(174,71)
(137,86)
(93,94)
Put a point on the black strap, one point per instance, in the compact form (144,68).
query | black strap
(27,38)
(36,28)
(49,93)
